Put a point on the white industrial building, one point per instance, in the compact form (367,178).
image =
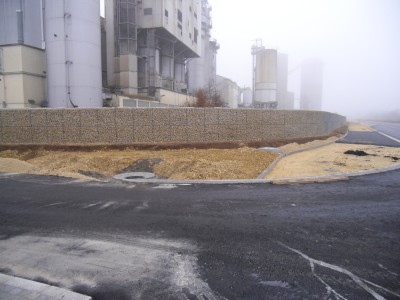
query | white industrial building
(284,98)
(73,53)
(148,46)
(51,51)
(265,81)
(229,91)
(311,84)
(22,58)
(202,71)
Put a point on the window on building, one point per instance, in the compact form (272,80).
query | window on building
(180,26)
(148,11)
(125,28)
(190,8)
(195,15)
(179,16)
(196,33)
(166,13)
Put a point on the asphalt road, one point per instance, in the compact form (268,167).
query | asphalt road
(387,134)
(391,129)
(336,240)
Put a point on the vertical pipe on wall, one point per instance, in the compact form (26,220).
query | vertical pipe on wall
(67,61)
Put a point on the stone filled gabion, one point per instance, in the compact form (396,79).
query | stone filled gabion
(128,126)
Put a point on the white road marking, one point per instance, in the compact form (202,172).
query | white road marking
(53,204)
(145,205)
(165,186)
(388,136)
(106,205)
(93,204)
(382,267)
(359,281)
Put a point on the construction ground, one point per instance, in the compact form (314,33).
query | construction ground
(319,158)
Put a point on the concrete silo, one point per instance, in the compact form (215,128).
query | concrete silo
(311,84)
(73,53)
(266,78)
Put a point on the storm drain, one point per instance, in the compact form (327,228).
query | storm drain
(133,176)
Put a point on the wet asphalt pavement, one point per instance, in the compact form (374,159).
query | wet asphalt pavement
(386,134)
(338,240)
(391,129)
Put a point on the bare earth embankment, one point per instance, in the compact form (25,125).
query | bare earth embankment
(241,163)
(202,164)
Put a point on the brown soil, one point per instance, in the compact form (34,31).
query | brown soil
(332,160)
(241,163)
(212,161)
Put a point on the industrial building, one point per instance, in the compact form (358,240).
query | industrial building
(229,91)
(311,84)
(60,53)
(284,98)
(73,53)
(264,76)
(202,71)
(149,44)
(22,58)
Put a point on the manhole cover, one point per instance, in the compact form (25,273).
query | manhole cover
(132,176)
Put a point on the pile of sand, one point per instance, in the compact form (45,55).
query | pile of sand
(332,160)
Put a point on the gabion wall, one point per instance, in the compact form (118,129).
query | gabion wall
(127,126)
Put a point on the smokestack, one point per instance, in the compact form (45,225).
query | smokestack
(20,26)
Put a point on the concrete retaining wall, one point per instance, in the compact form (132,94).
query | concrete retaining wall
(126,126)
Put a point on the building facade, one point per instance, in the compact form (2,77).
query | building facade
(311,84)
(22,58)
(202,71)
(229,91)
(149,43)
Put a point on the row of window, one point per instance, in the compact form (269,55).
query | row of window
(149,11)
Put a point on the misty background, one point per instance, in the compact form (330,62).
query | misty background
(357,40)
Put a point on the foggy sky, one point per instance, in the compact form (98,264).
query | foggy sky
(358,41)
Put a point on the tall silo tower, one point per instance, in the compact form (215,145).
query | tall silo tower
(311,85)
(22,58)
(266,78)
(73,53)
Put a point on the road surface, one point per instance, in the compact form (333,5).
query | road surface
(386,134)
(336,240)
(390,129)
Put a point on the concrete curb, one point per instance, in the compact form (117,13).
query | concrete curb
(14,288)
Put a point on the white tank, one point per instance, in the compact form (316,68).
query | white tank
(266,76)
(73,53)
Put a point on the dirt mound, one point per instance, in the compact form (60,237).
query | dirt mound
(239,163)
(12,165)
(356,152)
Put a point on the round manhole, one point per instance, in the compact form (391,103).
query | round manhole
(132,176)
